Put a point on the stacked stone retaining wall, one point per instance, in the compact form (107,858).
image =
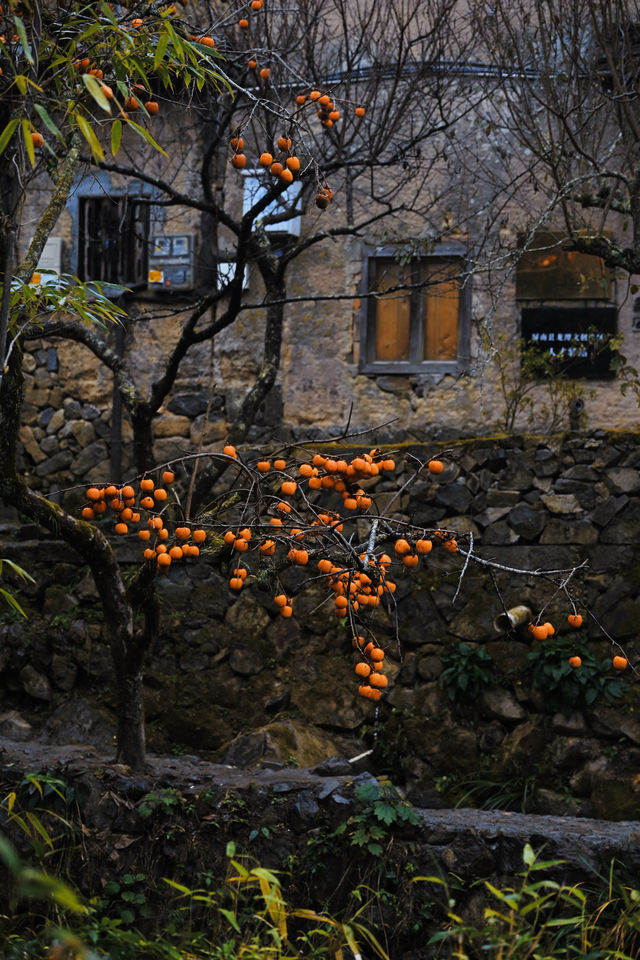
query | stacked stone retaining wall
(226,666)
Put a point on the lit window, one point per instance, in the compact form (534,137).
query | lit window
(418,318)
(547,272)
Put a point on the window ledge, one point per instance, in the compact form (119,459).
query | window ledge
(438,367)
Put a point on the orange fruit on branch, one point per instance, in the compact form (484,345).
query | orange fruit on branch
(574,620)
(378,680)
(575,662)
(402,547)
(436,466)
(620,663)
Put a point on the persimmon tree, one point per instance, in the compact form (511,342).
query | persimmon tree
(81,89)
(52,96)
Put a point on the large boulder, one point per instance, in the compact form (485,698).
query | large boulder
(286,741)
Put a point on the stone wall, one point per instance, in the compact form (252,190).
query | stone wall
(226,666)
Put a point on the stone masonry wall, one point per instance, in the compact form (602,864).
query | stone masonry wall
(225,667)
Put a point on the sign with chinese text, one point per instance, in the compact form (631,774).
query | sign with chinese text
(577,337)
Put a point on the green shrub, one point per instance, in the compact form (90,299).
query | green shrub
(467,670)
(566,688)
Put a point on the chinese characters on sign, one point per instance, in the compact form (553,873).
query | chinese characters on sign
(578,337)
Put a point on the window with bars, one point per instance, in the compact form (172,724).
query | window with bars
(415,315)
(113,240)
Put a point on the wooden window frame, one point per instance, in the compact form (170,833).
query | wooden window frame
(368,364)
(127,266)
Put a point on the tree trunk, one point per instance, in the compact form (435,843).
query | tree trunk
(131,729)
(127,650)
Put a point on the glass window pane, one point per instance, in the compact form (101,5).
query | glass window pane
(392,315)
(547,272)
(441,310)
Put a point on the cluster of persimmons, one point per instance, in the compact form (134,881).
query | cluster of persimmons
(294,515)
(285,164)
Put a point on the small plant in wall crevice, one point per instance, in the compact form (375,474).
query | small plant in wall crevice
(467,671)
(566,688)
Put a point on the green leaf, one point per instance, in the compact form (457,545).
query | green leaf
(21,83)
(7,133)
(39,827)
(22,33)
(231,849)
(28,142)
(48,122)
(178,886)
(160,51)
(231,918)
(93,87)
(89,135)
(368,792)
(116,136)
(37,884)
(147,136)
(11,601)
(528,855)
(385,812)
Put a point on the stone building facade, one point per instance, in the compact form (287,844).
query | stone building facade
(437,357)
